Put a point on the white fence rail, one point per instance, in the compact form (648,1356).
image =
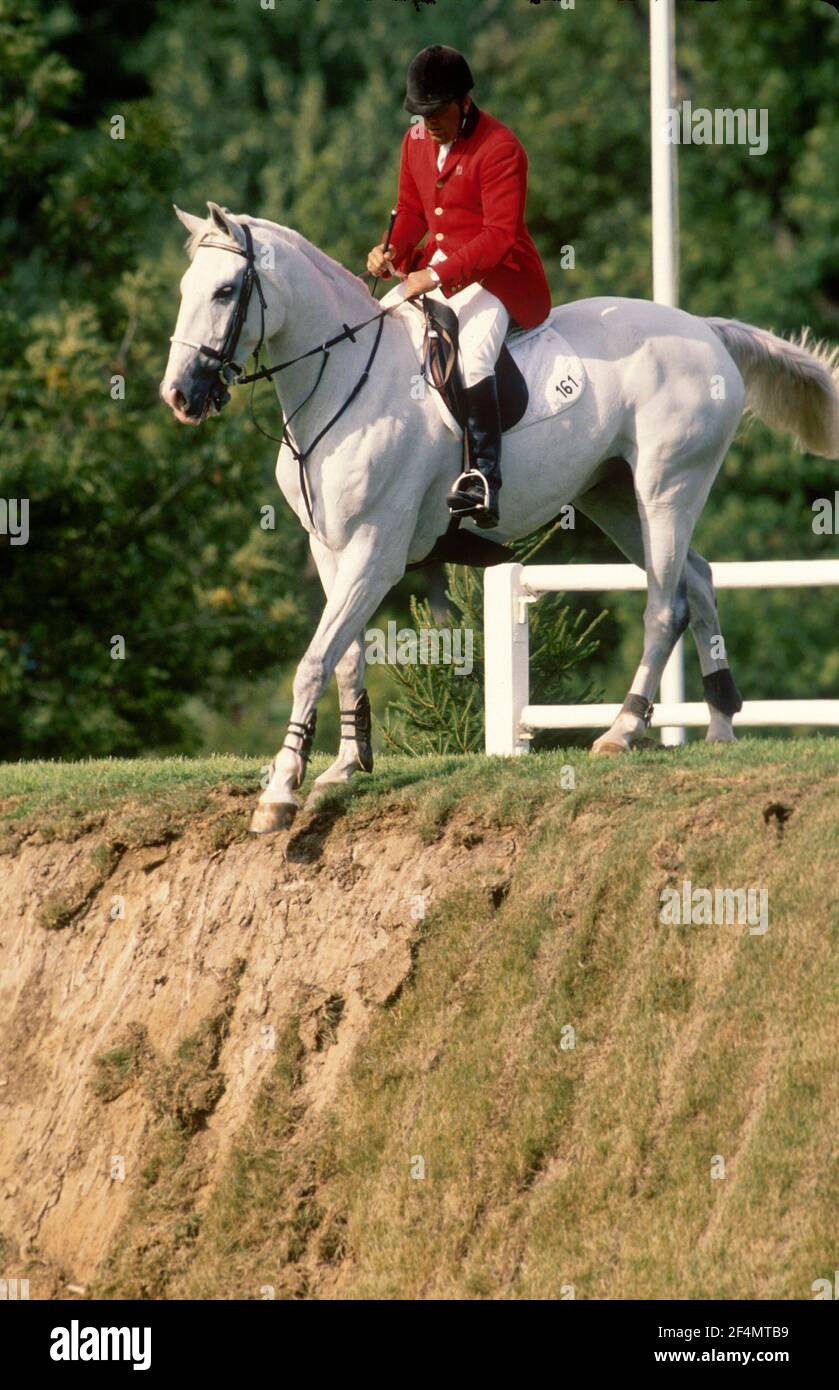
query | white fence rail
(509,590)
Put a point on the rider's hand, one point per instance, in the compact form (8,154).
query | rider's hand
(418,282)
(379,262)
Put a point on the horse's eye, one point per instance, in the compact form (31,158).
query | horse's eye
(223,292)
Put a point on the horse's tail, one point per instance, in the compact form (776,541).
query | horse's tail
(791,386)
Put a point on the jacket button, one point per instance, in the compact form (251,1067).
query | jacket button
(438,212)
(438,236)
(439,183)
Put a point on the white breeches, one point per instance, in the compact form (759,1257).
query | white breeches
(482,326)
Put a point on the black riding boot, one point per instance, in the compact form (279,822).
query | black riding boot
(475,493)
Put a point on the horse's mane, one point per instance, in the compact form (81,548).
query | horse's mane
(337,274)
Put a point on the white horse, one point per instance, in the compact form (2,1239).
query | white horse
(666,392)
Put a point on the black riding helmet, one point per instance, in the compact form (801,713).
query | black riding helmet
(437,76)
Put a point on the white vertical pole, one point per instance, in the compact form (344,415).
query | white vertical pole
(665,221)
(506,659)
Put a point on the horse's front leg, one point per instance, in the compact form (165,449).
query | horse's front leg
(365,572)
(355,751)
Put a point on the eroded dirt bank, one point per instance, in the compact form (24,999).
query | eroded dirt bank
(108,953)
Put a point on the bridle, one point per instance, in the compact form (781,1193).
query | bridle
(230,372)
(226,355)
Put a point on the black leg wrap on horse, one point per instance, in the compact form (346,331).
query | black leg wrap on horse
(305,733)
(357,723)
(721,693)
(681,608)
(637,705)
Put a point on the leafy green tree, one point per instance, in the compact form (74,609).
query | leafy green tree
(138,531)
(142,529)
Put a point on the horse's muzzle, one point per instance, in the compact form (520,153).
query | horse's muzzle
(192,408)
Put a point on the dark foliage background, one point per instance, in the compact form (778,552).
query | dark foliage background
(145,530)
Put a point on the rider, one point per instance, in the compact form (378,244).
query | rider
(466,186)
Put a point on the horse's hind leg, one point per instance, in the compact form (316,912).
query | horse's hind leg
(612,505)
(666,530)
(721,693)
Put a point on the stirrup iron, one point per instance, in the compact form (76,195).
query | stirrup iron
(468,503)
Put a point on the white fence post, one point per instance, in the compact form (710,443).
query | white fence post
(672,692)
(506,659)
(665,223)
(665,187)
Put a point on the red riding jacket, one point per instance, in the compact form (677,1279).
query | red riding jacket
(473,210)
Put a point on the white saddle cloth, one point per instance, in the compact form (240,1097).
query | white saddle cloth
(555,376)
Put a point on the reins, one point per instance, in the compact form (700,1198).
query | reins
(302,455)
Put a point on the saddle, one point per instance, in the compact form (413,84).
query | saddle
(441,368)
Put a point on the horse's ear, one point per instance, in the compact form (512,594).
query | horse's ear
(192,224)
(224,222)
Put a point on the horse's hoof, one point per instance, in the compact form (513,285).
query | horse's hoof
(319,790)
(276,816)
(607,749)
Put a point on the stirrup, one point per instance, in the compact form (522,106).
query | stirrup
(459,501)
(483,511)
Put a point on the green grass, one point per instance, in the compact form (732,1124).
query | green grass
(63,800)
